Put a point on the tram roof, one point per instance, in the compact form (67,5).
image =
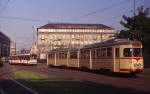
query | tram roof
(63,49)
(74,26)
(111,42)
(21,54)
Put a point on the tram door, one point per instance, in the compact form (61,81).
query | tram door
(116,60)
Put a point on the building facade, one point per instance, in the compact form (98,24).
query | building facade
(4,46)
(68,35)
(12,48)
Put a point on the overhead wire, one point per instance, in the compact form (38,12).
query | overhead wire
(101,10)
(91,13)
(114,17)
(21,18)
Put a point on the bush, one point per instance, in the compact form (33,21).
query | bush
(1,64)
(146,60)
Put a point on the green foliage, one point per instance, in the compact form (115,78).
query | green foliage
(1,64)
(138,27)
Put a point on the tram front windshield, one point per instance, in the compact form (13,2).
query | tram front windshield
(132,52)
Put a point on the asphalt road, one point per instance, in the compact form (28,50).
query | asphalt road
(8,85)
(110,83)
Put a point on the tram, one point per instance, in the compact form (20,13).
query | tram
(23,59)
(116,55)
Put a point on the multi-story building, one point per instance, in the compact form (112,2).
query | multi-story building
(4,46)
(12,48)
(68,35)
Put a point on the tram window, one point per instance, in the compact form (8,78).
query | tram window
(98,53)
(57,55)
(28,58)
(103,52)
(127,52)
(137,52)
(109,52)
(60,55)
(85,54)
(33,56)
(117,52)
(93,53)
(65,55)
(73,55)
(51,56)
(82,54)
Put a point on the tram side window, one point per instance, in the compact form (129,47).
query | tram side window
(28,58)
(117,52)
(109,52)
(73,55)
(93,53)
(61,55)
(52,55)
(85,54)
(103,52)
(64,55)
(82,54)
(98,51)
(57,55)
(33,57)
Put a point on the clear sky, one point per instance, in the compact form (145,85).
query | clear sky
(17,17)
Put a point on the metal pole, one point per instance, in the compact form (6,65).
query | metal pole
(133,19)
(134,7)
(33,34)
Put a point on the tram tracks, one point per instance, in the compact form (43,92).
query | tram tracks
(19,87)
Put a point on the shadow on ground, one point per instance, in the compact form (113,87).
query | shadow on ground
(45,86)
(101,72)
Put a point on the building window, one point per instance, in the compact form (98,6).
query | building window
(42,37)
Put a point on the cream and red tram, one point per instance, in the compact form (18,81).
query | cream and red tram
(63,57)
(117,55)
(23,59)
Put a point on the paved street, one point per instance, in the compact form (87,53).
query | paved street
(134,85)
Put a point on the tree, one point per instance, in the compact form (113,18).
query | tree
(138,27)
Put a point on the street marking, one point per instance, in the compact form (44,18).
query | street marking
(29,89)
